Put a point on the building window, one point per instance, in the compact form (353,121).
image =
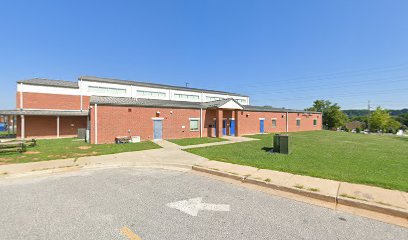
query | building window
(273,122)
(109,90)
(194,125)
(242,101)
(150,94)
(210,99)
(314,122)
(186,96)
(297,122)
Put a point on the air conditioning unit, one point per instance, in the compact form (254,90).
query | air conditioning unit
(135,139)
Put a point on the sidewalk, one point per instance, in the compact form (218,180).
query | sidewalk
(170,145)
(390,202)
(168,157)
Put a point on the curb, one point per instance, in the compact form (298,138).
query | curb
(337,200)
(372,207)
(66,167)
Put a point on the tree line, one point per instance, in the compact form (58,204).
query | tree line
(380,119)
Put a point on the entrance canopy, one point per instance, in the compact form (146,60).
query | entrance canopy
(225,104)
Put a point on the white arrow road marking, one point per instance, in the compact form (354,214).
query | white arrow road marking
(193,205)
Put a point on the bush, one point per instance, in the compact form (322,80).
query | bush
(358,130)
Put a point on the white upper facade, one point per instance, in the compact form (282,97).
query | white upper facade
(92,87)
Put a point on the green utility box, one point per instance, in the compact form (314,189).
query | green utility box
(276,147)
(282,143)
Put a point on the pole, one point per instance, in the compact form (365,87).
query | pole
(368,116)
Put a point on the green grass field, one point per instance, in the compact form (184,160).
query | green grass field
(195,141)
(367,159)
(70,148)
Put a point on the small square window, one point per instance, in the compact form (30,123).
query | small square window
(194,125)
(297,122)
(273,122)
(314,122)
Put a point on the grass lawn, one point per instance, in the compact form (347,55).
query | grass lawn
(3,133)
(367,159)
(70,148)
(195,141)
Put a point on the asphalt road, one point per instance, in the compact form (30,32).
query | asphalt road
(119,203)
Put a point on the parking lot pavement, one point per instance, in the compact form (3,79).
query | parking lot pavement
(131,203)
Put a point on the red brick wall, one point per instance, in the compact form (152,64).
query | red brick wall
(249,122)
(117,120)
(52,101)
(69,125)
(306,122)
(46,126)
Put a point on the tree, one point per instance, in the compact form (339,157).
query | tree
(403,119)
(319,106)
(333,117)
(380,120)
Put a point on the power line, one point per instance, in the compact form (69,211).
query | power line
(330,86)
(344,95)
(331,75)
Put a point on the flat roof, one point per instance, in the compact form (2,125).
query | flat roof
(146,84)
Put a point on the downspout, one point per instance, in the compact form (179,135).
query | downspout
(287,121)
(80,91)
(96,123)
(201,122)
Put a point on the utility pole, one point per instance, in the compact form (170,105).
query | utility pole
(368,116)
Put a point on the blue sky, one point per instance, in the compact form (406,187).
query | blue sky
(281,53)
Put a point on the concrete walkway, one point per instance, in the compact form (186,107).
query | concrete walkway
(392,202)
(169,156)
(229,138)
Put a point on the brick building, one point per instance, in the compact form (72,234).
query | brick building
(107,108)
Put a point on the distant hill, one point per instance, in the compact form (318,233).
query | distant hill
(363,112)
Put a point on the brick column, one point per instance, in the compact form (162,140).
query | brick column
(227,126)
(219,116)
(237,115)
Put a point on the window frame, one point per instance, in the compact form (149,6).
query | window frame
(298,119)
(314,122)
(153,94)
(107,90)
(276,122)
(198,124)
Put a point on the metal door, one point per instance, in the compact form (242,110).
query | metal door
(232,127)
(224,127)
(261,123)
(158,129)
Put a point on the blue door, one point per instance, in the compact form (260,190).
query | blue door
(261,123)
(232,127)
(224,127)
(215,128)
(158,129)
